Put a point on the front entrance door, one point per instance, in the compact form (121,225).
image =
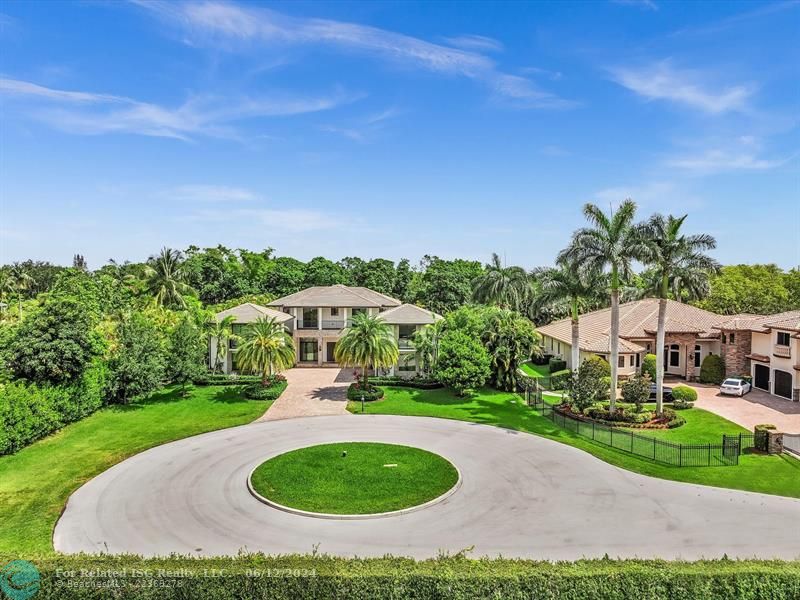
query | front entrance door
(330,352)
(308,351)
(761,379)
(783,384)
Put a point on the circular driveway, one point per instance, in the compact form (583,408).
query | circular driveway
(521,496)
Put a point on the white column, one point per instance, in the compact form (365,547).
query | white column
(319,318)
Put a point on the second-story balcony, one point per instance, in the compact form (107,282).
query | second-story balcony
(782,351)
(329,324)
(405,343)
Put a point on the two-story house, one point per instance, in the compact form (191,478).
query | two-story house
(317,317)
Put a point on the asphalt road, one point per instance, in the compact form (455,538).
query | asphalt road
(521,496)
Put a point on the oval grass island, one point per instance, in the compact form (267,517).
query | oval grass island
(354,480)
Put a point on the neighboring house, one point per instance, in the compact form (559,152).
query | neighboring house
(766,347)
(316,317)
(690,336)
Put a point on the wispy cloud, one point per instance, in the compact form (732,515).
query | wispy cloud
(276,220)
(364,129)
(208,194)
(717,161)
(231,25)
(479,43)
(90,113)
(644,4)
(650,195)
(662,81)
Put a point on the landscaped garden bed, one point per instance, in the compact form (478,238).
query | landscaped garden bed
(271,389)
(358,391)
(625,415)
(354,478)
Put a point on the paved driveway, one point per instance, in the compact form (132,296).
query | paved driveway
(753,409)
(521,496)
(312,392)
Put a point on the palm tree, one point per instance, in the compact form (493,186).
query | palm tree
(507,287)
(165,278)
(673,255)
(613,242)
(426,344)
(367,342)
(19,281)
(568,284)
(266,348)
(222,331)
(510,339)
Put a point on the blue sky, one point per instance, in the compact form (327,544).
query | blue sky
(393,129)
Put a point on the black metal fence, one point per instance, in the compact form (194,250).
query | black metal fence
(746,441)
(679,455)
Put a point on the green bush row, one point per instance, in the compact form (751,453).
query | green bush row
(559,379)
(412,382)
(29,412)
(272,391)
(556,364)
(300,577)
(355,391)
(222,379)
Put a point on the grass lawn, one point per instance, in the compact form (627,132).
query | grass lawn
(701,427)
(371,478)
(36,482)
(768,474)
(533,370)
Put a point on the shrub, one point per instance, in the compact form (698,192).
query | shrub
(271,391)
(356,391)
(557,363)
(636,390)
(222,379)
(712,370)
(463,362)
(684,393)
(600,364)
(421,383)
(649,366)
(681,405)
(560,379)
(321,576)
(137,364)
(543,359)
(587,385)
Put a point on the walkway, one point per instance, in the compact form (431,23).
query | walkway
(753,409)
(311,392)
(521,496)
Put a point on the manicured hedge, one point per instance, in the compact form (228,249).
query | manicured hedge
(272,391)
(318,577)
(684,393)
(29,412)
(355,391)
(222,379)
(559,379)
(557,364)
(712,370)
(413,382)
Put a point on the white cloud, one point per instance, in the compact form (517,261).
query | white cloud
(665,196)
(479,43)
(645,4)
(715,161)
(275,220)
(89,113)
(208,193)
(661,81)
(231,25)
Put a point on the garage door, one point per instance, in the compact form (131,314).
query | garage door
(783,384)
(761,379)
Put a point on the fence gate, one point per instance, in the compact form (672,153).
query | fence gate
(791,443)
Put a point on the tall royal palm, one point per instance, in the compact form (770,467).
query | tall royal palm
(222,332)
(367,342)
(19,281)
(507,287)
(165,278)
(613,242)
(266,348)
(566,284)
(671,255)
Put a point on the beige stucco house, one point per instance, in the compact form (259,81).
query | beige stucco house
(317,317)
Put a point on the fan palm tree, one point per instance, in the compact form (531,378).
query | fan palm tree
(222,331)
(507,287)
(672,255)
(266,348)
(367,342)
(426,344)
(577,288)
(612,242)
(165,278)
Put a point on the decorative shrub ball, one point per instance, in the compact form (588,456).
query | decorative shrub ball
(684,393)
(356,391)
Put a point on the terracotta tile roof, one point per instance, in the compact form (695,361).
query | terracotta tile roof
(249,313)
(637,320)
(762,323)
(340,296)
(758,357)
(409,314)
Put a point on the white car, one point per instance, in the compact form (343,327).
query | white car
(734,387)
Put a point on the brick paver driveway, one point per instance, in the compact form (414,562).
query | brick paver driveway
(312,392)
(753,409)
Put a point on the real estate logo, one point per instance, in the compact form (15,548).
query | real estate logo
(19,580)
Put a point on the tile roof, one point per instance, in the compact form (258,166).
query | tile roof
(409,314)
(637,320)
(339,295)
(249,313)
(762,323)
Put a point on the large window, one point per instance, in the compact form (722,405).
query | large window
(621,361)
(674,355)
(310,317)
(697,354)
(308,350)
(783,338)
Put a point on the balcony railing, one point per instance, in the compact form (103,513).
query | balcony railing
(333,323)
(326,324)
(782,351)
(403,343)
(307,324)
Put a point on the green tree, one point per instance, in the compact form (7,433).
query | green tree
(284,276)
(649,366)
(636,390)
(321,271)
(612,241)
(670,253)
(506,287)
(577,288)
(402,280)
(266,348)
(379,275)
(426,344)
(166,279)
(445,285)
(754,289)
(216,274)
(367,343)
(56,343)
(222,331)
(463,363)
(19,282)
(186,357)
(510,340)
(587,385)
(136,365)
